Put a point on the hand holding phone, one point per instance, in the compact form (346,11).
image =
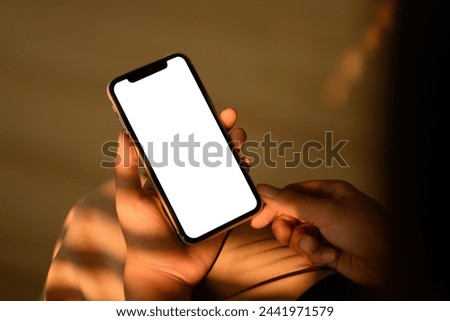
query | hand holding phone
(185,150)
(157,265)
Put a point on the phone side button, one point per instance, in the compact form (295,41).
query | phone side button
(123,125)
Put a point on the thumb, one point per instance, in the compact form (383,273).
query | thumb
(290,201)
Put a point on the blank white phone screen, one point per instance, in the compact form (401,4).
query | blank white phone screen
(188,152)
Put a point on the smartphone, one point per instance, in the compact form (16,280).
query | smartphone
(184,148)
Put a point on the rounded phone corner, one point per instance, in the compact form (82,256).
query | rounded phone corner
(259,204)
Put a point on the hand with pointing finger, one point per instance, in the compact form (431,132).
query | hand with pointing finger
(332,223)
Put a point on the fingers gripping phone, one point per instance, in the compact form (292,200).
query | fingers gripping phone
(184,148)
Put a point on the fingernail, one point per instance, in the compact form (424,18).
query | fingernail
(267,190)
(305,246)
(329,256)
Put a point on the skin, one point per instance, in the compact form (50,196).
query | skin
(331,223)
(117,244)
(93,261)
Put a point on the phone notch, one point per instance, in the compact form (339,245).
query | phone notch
(146,71)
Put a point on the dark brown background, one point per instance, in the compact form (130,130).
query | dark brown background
(295,68)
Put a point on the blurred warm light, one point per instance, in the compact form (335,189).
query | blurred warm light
(371,39)
(351,64)
(337,88)
(385,14)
